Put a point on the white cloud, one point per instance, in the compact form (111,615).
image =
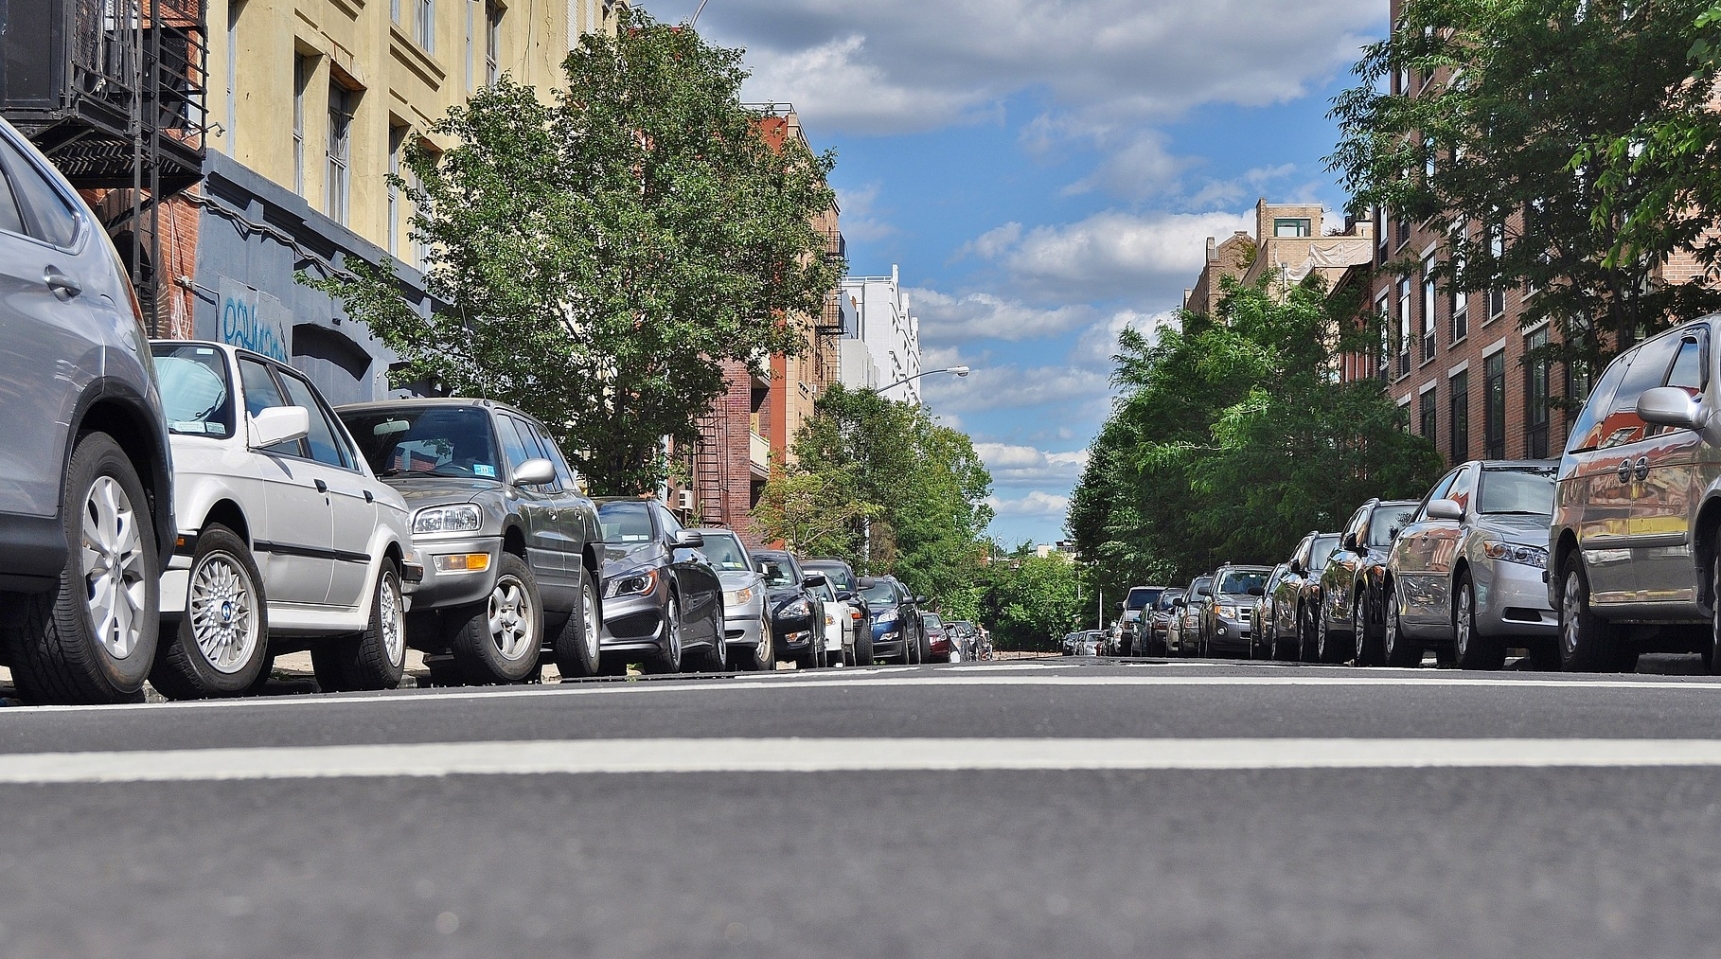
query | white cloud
(1007,387)
(860,214)
(993,242)
(1136,170)
(1038,503)
(1114,254)
(1017,466)
(1098,343)
(950,319)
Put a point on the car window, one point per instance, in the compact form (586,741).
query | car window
(425,441)
(564,473)
(880,593)
(625,522)
(724,551)
(839,575)
(776,570)
(1648,369)
(667,520)
(518,445)
(1242,581)
(1386,523)
(11,218)
(1587,429)
(1690,365)
(1463,487)
(47,214)
(196,394)
(1525,491)
(262,393)
(1358,524)
(1321,551)
(1274,578)
(824,592)
(1438,492)
(324,439)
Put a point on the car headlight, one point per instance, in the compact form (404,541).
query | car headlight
(797,608)
(447,519)
(737,597)
(1536,556)
(638,583)
(1229,612)
(885,616)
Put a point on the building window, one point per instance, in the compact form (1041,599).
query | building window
(1460,302)
(427,25)
(394,10)
(396,140)
(1460,417)
(1494,407)
(1536,395)
(301,79)
(1497,251)
(1405,331)
(492,42)
(1428,417)
(471,70)
(1292,227)
(1403,231)
(1382,309)
(1429,292)
(339,152)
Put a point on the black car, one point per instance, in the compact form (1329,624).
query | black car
(662,601)
(895,615)
(797,613)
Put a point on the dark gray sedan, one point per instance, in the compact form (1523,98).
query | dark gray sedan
(663,601)
(510,546)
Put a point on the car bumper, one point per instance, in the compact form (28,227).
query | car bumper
(887,643)
(633,623)
(1512,600)
(1229,637)
(742,628)
(443,588)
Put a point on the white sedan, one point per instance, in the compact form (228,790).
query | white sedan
(286,539)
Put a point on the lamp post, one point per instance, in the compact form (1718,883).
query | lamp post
(695,21)
(958,370)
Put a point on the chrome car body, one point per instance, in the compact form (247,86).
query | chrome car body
(1348,623)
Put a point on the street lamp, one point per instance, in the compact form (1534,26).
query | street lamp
(958,370)
(695,21)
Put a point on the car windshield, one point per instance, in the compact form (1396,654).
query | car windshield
(1168,597)
(838,575)
(1321,550)
(1387,521)
(1242,581)
(775,569)
(724,551)
(448,441)
(1526,491)
(932,621)
(1141,597)
(880,593)
(625,522)
(195,392)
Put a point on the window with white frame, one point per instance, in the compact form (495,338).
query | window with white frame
(1405,331)
(339,180)
(426,35)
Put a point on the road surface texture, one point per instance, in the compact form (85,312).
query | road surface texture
(1042,809)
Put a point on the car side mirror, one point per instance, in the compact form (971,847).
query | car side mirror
(921,600)
(845,597)
(1257,591)
(815,580)
(866,582)
(688,539)
(1295,568)
(1349,543)
(535,472)
(1445,509)
(1204,592)
(279,424)
(1671,406)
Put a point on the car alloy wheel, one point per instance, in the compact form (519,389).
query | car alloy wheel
(114,566)
(222,607)
(1714,662)
(512,619)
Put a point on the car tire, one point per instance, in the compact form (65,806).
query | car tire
(1588,643)
(1305,636)
(814,655)
(264,675)
(575,650)
(863,644)
(60,653)
(1326,647)
(374,658)
(222,642)
(498,640)
(1399,650)
(760,657)
(1469,649)
(924,649)
(667,659)
(1367,647)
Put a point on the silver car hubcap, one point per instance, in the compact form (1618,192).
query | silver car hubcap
(113,567)
(1570,609)
(672,631)
(763,653)
(511,618)
(389,618)
(223,617)
(1390,629)
(1461,629)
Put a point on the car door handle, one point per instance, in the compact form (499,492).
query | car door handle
(369,496)
(322,487)
(63,286)
(1625,471)
(1642,468)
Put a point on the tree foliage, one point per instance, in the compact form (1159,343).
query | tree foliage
(1231,437)
(921,485)
(1529,150)
(1030,602)
(595,258)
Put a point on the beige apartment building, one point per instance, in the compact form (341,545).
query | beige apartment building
(1290,242)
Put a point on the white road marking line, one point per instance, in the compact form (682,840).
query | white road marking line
(844,755)
(950,677)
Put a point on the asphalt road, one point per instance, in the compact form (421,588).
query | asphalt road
(1043,809)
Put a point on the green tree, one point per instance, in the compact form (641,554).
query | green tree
(812,513)
(1030,602)
(1231,437)
(595,258)
(1522,87)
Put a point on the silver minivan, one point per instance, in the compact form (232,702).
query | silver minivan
(1637,508)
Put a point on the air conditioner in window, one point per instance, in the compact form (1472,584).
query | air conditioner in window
(684,499)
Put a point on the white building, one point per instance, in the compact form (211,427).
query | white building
(886,337)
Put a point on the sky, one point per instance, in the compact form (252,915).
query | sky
(1046,173)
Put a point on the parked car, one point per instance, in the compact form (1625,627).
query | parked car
(1157,633)
(1263,620)
(1092,643)
(86,438)
(511,545)
(662,601)
(1140,598)
(1185,636)
(747,644)
(1224,622)
(895,615)
(1296,599)
(839,625)
(797,612)
(941,645)
(1636,527)
(967,637)
(1071,642)
(1467,572)
(847,586)
(1348,624)
(287,541)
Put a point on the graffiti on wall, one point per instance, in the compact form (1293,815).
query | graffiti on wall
(254,321)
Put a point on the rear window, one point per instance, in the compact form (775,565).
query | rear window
(1387,521)
(1142,597)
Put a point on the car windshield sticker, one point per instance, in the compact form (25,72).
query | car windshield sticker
(482,469)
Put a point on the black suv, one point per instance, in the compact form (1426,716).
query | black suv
(1226,615)
(86,501)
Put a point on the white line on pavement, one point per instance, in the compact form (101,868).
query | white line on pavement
(844,755)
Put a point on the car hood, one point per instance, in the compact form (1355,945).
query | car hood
(422,491)
(1236,599)
(733,579)
(1523,530)
(620,559)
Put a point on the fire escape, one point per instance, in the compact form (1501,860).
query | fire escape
(112,91)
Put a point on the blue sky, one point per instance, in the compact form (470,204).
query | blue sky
(1045,173)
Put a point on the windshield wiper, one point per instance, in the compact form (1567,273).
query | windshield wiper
(1516,512)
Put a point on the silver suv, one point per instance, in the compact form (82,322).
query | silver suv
(1637,508)
(86,502)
